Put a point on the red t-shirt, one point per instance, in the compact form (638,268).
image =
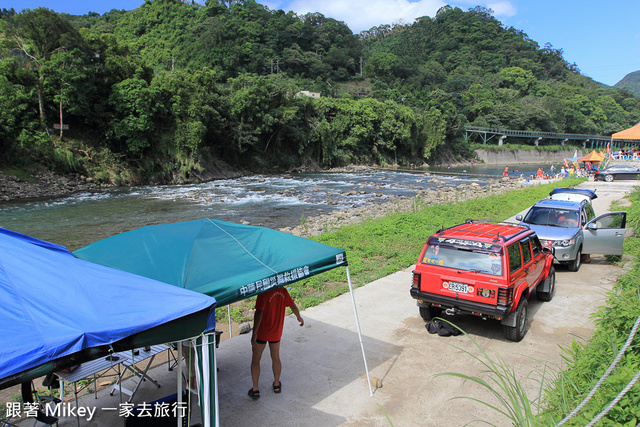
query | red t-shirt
(273,304)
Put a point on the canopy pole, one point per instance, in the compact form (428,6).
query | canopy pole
(179,412)
(215,381)
(206,381)
(229,316)
(355,312)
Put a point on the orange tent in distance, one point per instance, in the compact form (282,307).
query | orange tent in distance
(592,157)
(633,133)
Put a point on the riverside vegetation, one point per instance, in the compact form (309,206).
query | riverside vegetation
(176,91)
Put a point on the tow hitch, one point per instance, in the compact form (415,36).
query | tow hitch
(451,311)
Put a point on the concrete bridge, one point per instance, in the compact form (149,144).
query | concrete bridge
(588,141)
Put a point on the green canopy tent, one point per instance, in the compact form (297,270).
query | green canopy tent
(226,260)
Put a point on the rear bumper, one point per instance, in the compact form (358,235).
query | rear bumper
(464,306)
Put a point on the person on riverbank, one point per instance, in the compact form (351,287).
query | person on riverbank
(268,322)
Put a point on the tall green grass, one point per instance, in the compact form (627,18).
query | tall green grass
(504,385)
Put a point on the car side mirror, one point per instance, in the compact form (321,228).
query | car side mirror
(592,226)
(548,250)
(519,217)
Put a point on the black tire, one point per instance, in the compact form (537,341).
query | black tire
(517,332)
(430,312)
(576,263)
(551,280)
(608,178)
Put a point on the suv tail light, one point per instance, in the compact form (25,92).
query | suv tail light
(416,280)
(505,296)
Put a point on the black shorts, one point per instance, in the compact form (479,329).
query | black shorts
(264,342)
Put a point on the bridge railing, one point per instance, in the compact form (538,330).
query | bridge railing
(535,134)
(488,133)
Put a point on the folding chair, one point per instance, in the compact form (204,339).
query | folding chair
(36,404)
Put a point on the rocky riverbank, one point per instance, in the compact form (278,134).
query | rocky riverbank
(317,225)
(47,185)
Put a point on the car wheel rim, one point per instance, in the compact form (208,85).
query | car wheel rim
(522,319)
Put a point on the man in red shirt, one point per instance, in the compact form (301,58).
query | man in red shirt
(268,322)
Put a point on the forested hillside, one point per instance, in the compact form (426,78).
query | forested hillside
(163,92)
(631,82)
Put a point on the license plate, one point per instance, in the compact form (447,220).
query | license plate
(458,287)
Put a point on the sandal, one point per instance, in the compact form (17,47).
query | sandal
(255,395)
(277,388)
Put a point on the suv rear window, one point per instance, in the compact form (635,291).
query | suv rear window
(464,254)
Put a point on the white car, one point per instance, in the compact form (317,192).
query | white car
(572,194)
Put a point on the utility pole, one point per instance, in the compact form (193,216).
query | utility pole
(361,66)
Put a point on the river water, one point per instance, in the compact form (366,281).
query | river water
(273,201)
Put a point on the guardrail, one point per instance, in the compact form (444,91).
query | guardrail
(489,133)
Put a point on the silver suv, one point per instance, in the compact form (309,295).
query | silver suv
(572,229)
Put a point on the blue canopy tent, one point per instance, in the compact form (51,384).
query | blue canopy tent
(226,260)
(58,311)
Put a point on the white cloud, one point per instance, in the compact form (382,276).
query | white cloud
(502,9)
(361,15)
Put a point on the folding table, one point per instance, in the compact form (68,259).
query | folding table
(129,361)
(92,368)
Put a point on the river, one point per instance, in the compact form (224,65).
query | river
(273,201)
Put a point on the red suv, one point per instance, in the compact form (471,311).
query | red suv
(485,269)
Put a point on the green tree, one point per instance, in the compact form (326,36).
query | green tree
(38,34)
(136,105)
(68,83)
(522,80)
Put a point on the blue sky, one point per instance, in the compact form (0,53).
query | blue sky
(601,37)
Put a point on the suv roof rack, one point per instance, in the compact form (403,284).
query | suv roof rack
(497,237)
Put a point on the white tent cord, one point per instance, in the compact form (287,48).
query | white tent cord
(606,374)
(615,401)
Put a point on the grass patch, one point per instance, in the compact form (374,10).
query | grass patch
(378,247)
(19,174)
